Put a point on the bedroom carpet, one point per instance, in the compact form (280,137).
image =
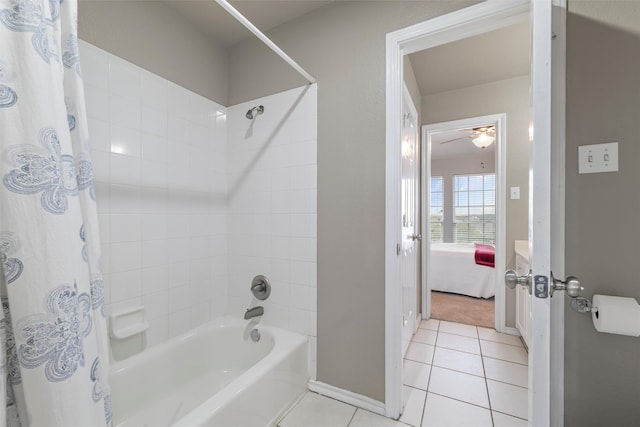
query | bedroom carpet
(463,309)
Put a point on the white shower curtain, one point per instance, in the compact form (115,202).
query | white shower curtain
(54,358)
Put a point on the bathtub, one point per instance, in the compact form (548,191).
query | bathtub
(214,375)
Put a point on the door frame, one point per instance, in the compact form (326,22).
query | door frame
(500,122)
(467,22)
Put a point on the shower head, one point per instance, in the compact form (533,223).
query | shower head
(258,110)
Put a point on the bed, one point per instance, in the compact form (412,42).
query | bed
(453,269)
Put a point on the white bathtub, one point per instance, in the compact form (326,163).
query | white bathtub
(214,375)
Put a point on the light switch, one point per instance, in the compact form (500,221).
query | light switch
(596,158)
(515,193)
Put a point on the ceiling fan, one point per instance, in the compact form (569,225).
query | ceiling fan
(482,137)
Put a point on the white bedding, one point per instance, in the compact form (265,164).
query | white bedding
(453,269)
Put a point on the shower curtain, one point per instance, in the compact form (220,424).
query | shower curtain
(54,358)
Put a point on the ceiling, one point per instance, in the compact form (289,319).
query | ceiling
(457,148)
(225,31)
(488,57)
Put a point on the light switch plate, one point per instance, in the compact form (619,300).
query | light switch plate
(515,193)
(596,158)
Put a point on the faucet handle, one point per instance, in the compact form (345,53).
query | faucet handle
(261,287)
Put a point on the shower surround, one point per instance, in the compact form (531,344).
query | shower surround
(194,199)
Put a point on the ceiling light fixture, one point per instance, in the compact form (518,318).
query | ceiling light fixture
(483,140)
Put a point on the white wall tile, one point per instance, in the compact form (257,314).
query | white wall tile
(154,91)
(126,256)
(95,65)
(124,141)
(99,138)
(125,170)
(155,279)
(179,322)
(158,330)
(101,165)
(132,172)
(97,102)
(126,228)
(125,79)
(180,165)
(177,101)
(124,111)
(126,285)
(153,121)
(272,180)
(154,227)
(156,304)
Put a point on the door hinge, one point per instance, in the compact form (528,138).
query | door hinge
(398,249)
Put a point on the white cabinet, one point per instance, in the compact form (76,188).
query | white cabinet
(523,298)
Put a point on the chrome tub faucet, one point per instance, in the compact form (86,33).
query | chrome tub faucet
(253,312)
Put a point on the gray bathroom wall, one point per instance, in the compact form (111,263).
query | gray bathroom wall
(602,371)
(154,37)
(509,96)
(343,46)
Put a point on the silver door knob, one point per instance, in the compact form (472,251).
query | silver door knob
(511,279)
(571,285)
(415,237)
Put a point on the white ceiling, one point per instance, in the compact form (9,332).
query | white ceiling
(488,57)
(224,30)
(456,147)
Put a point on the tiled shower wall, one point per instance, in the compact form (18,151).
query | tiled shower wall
(272,213)
(159,154)
(194,200)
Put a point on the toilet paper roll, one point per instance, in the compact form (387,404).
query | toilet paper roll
(616,315)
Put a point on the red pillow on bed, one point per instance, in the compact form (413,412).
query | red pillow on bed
(485,255)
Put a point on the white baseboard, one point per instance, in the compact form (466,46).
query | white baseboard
(349,397)
(511,331)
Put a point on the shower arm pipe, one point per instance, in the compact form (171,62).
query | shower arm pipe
(244,21)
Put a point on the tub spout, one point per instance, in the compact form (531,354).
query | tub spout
(253,312)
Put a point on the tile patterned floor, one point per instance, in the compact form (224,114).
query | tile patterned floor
(454,375)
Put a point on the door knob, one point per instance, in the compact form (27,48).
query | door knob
(415,237)
(571,285)
(511,279)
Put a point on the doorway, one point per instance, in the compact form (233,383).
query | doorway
(477,20)
(463,195)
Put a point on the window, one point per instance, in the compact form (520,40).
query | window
(437,208)
(474,218)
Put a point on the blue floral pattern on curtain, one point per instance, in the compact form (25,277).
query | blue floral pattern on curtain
(52,325)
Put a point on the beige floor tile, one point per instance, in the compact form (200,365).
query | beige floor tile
(413,405)
(508,399)
(506,372)
(459,386)
(416,374)
(458,342)
(504,420)
(441,411)
(458,329)
(431,324)
(458,361)
(425,336)
(495,336)
(506,352)
(314,410)
(420,352)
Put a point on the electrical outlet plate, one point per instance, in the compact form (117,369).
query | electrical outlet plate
(596,158)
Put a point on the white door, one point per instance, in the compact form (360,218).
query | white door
(546,212)
(409,218)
